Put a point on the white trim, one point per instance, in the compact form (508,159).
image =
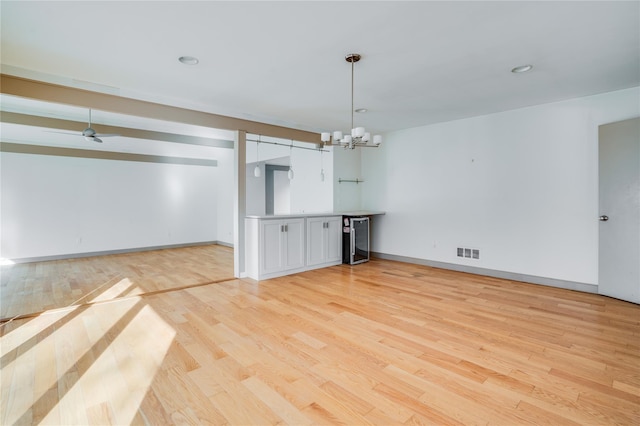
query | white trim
(550,282)
(110,252)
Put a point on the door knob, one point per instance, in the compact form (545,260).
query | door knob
(604,218)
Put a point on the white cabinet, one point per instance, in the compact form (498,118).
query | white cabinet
(271,242)
(324,240)
(274,247)
(280,246)
(282,243)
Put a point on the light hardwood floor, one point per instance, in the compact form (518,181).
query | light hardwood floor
(379,343)
(29,288)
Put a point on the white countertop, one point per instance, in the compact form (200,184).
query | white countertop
(294,215)
(361,213)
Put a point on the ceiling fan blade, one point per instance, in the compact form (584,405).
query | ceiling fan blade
(89,134)
(63,132)
(106,135)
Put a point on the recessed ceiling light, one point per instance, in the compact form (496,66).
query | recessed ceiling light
(521,69)
(188,60)
(361,110)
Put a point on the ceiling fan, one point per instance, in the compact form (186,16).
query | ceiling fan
(90,134)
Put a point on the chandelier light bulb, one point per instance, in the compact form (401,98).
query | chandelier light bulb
(256,171)
(522,69)
(290,173)
(189,60)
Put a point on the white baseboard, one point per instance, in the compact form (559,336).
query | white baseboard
(108,252)
(551,282)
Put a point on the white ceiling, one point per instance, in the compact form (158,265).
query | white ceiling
(283,62)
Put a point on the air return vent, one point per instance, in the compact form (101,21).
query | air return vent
(469,253)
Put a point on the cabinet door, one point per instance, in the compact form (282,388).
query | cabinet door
(316,247)
(271,246)
(294,244)
(333,239)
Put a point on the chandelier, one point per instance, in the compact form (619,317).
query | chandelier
(358,135)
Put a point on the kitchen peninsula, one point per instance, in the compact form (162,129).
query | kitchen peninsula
(278,245)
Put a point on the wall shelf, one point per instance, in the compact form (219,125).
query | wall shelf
(340,180)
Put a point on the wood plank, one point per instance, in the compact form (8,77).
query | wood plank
(40,286)
(379,343)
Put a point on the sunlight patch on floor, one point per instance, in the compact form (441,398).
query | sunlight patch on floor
(119,289)
(94,367)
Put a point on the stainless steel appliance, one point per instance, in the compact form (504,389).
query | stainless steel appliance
(355,240)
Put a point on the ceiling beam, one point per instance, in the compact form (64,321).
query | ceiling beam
(26,88)
(60,124)
(57,151)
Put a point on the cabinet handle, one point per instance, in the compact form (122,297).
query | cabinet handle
(286,228)
(353,243)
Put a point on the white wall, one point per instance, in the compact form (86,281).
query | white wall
(60,205)
(346,165)
(308,194)
(255,191)
(225,195)
(521,186)
(281,192)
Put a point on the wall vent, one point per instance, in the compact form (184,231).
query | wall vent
(469,253)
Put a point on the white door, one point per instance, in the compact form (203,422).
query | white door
(619,246)
(316,240)
(334,238)
(271,241)
(293,244)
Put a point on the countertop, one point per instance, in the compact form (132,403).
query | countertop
(294,215)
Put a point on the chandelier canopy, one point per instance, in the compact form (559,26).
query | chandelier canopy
(358,136)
